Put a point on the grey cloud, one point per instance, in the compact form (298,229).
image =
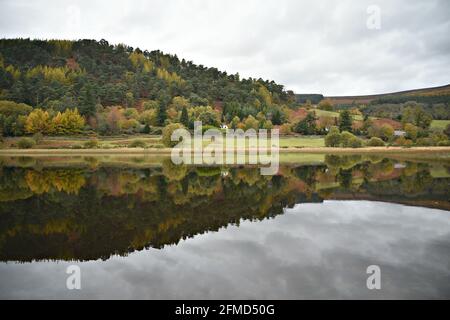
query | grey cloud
(309,46)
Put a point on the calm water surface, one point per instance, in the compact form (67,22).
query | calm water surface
(140,230)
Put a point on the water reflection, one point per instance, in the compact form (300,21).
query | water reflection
(92,212)
(313,250)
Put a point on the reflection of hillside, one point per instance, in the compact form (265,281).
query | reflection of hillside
(85,214)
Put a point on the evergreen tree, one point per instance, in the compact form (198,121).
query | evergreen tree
(161,116)
(184,119)
(87,101)
(345,121)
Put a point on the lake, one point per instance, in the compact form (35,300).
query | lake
(141,227)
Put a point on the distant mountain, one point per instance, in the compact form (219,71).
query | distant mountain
(439,94)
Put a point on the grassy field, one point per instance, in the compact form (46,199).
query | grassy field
(299,142)
(439,124)
(150,141)
(333,114)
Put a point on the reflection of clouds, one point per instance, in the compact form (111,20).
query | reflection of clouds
(312,251)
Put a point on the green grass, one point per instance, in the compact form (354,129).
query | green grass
(334,114)
(310,141)
(439,124)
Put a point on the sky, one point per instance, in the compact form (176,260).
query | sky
(346,47)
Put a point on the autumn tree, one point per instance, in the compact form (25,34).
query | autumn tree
(38,121)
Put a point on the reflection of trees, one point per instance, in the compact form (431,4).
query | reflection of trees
(89,214)
(67,180)
(416,184)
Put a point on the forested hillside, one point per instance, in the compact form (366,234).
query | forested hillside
(116,88)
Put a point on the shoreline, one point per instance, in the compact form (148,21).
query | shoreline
(167,151)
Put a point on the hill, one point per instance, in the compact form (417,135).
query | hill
(91,75)
(439,94)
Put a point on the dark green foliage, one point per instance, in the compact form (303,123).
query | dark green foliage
(314,98)
(26,143)
(447,130)
(375,142)
(161,115)
(98,72)
(184,119)
(306,126)
(345,121)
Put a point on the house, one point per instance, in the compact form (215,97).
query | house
(399,133)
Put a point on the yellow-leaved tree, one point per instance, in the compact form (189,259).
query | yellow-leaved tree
(38,121)
(71,122)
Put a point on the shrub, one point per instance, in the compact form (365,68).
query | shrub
(355,142)
(346,139)
(137,144)
(285,129)
(38,137)
(333,138)
(26,143)
(443,143)
(425,142)
(77,146)
(91,144)
(375,142)
(167,133)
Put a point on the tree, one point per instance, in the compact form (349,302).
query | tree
(447,130)
(277,117)
(129,99)
(87,101)
(251,123)
(375,142)
(417,116)
(38,121)
(184,118)
(384,131)
(161,115)
(167,133)
(387,132)
(307,126)
(411,131)
(333,138)
(345,121)
(235,122)
(325,104)
(148,117)
(285,129)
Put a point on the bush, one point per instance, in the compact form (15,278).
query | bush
(333,138)
(444,143)
(38,137)
(26,143)
(77,146)
(167,133)
(346,139)
(91,144)
(425,142)
(375,142)
(137,144)
(355,142)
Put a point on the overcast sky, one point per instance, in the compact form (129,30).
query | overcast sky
(309,46)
